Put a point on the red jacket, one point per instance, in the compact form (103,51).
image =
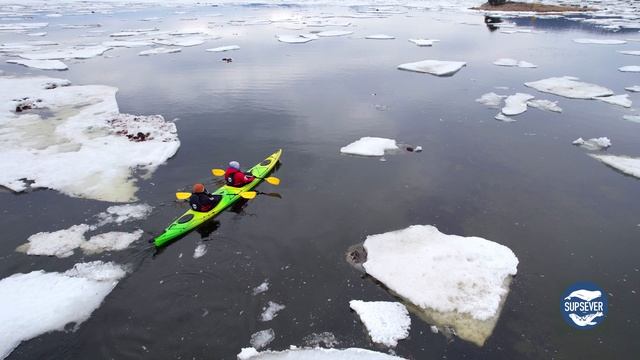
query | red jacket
(236,178)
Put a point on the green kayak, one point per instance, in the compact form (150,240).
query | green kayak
(192,219)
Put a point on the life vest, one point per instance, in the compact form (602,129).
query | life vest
(204,202)
(236,178)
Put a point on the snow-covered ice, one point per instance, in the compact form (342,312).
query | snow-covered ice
(224,48)
(380,37)
(547,105)
(39,302)
(75,52)
(569,87)
(387,322)
(120,214)
(315,354)
(630,52)
(262,338)
(625,164)
(40,64)
(514,62)
(199,251)
(111,241)
(370,146)
(59,243)
(261,288)
(127,43)
(297,39)
(634,88)
(270,311)
(503,118)
(621,100)
(83,147)
(180,41)
(455,281)
(600,41)
(424,42)
(516,104)
(331,33)
(632,118)
(630,68)
(23,26)
(434,67)
(491,99)
(159,50)
(593,143)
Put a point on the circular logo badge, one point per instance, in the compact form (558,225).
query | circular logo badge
(584,305)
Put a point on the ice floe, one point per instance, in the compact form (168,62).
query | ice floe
(630,52)
(270,311)
(315,354)
(624,164)
(380,37)
(76,52)
(111,241)
(503,118)
(547,105)
(331,33)
(296,39)
(199,251)
(514,62)
(82,146)
(630,68)
(621,100)
(39,302)
(593,143)
(127,44)
(632,118)
(370,146)
(454,281)
(182,42)
(600,41)
(491,99)
(23,26)
(41,33)
(159,50)
(262,338)
(434,67)
(40,64)
(635,88)
(120,214)
(424,42)
(387,322)
(516,104)
(261,288)
(224,48)
(569,87)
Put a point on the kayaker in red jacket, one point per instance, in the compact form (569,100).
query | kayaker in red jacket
(201,200)
(236,178)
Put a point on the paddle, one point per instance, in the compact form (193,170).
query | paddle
(244,195)
(271,179)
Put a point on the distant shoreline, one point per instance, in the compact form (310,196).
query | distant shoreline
(530,7)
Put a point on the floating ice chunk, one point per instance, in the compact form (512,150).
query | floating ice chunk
(183,42)
(120,214)
(630,68)
(600,41)
(455,281)
(514,62)
(370,146)
(622,100)
(224,48)
(624,164)
(261,288)
(632,118)
(516,104)
(18,47)
(297,39)
(23,26)
(42,33)
(127,44)
(526,64)
(434,67)
(630,52)
(59,243)
(491,99)
(199,251)
(503,118)
(545,105)
(124,34)
(593,144)
(159,50)
(635,88)
(569,87)
(379,37)
(270,311)
(262,338)
(39,302)
(111,241)
(41,64)
(387,322)
(330,33)
(315,354)
(424,42)
(76,52)
(84,147)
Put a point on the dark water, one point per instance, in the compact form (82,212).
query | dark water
(566,216)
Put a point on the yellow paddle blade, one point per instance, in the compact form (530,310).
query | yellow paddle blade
(272,180)
(248,194)
(183,195)
(217,172)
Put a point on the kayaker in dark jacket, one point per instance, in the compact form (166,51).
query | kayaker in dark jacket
(236,178)
(201,200)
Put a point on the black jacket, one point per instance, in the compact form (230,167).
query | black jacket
(204,201)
